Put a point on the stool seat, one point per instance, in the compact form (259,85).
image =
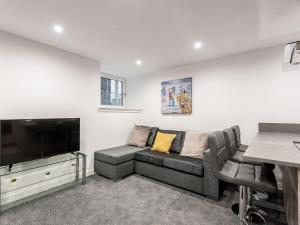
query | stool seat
(243,148)
(235,154)
(256,177)
(238,157)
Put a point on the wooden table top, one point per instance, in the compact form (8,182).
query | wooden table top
(276,148)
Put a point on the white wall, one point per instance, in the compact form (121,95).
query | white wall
(243,89)
(37,81)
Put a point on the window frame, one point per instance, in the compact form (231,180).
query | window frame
(118,78)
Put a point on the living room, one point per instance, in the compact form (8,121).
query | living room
(159,103)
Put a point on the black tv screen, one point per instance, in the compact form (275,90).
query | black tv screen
(26,140)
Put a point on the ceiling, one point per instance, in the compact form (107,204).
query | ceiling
(161,33)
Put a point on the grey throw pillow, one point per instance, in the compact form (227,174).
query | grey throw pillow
(152,135)
(139,136)
(195,144)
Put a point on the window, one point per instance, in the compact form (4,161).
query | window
(112,91)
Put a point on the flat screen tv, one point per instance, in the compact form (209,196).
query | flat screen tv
(31,139)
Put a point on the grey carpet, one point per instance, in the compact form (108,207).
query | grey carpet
(133,200)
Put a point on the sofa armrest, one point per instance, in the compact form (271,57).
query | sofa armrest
(211,182)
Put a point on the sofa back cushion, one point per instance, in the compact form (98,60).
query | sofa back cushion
(152,135)
(139,136)
(177,143)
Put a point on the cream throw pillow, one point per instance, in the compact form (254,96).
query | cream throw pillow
(195,143)
(139,136)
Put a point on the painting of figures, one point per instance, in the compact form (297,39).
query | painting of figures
(176,96)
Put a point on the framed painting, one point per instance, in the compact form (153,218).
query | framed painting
(176,96)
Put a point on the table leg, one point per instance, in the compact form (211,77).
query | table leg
(290,184)
(298,196)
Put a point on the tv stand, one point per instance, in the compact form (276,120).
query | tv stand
(78,154)
(10,167)
(30,180)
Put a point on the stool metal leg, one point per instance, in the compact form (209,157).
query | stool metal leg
(252,211)
(249,196)
(249,200)
(243,204)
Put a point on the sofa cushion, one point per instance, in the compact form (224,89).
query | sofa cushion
(177,143)
(139,136)
(163,142)
(195,143)
(243,148)
(152,136)
(184,164)
(238,157)
(117,155)
(151,157)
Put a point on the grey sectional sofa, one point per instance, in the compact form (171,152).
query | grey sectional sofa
(185,172)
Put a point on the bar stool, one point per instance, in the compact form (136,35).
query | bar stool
(236,155)
(248,177)
(237,136)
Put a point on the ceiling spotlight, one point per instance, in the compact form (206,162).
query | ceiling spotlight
(58,29)
(197,45)
(138,62)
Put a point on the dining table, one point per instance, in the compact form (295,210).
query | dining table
(279,144)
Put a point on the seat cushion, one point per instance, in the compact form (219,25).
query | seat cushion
(256,177)
(243,148)
(151,157)
(178,141)
(184,164)
(238,157)
(117,155)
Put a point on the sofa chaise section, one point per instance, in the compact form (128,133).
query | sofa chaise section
(116,162)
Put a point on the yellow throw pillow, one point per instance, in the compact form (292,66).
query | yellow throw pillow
(163,142)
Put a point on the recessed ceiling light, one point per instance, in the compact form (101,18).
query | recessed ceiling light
(138,62)
(198,45)
(58,29)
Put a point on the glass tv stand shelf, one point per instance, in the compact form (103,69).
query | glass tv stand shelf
(30,180)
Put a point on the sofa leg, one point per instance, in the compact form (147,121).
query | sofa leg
(213,197)
(116,179)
